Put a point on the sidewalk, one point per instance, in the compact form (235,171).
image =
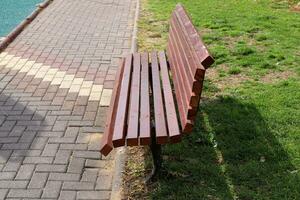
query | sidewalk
(56,80)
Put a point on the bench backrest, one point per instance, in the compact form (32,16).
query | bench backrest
(188,59)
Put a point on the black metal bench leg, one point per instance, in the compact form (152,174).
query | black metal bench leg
(157,159)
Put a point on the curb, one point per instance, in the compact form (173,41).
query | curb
(120,157)
(17,30)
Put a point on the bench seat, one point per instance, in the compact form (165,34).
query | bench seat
(143,96)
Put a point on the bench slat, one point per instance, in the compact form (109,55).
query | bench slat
(174,133)
(196,71)
(121,113)
(176,66)
(179,98)
(195,41)
(145,134)
(184,71)
(106,145)
(179,66)
(133,112)
(176,74)
(182,109)
(187,51)
(159,115)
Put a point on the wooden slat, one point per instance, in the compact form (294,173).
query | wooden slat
(185,50)
(133,118)
(179,98)
(184,74)
(145,130)
(178,74)
(196,70)
(159,115)
(106,145)
(203,55)
(186,125)
(173,129)
(121,112)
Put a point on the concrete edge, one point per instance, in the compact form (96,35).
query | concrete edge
(121,156)
(117,182)
(135,28)
(5,41)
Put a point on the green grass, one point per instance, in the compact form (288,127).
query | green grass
(246,143)
(245,146)
(246,34)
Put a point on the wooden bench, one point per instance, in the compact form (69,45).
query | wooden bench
(156,95)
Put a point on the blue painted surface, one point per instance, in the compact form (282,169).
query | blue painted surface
(12,12)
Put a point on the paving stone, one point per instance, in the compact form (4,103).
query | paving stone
(104,180)
(90,163)
(76,165)
(62,157)
(52,189)
(67,195)
(60,126)
(95,142)
(72,132)
(25,193)
(83,138)
(25,172)
(50,134)
(5,154)
(38,160)
(7,175)
(61,140)
(13,184)
(39,143)
(27,137)
(78,185)
(3,193)
(89,175)
(13,164)
(73,146)
(50,168)
(24,153)
(38,180)
(64,177)
(50,150)
(93,195)
(87,154)
(16,146)
(5,140)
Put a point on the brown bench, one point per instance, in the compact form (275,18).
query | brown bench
(156,95)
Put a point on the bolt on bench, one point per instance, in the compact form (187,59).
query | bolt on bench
(156,95)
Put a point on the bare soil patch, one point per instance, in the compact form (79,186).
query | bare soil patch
(277,76)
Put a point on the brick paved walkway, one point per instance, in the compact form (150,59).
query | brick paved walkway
(55,86)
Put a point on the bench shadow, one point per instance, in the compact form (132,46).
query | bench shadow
(232,154)
(20,125)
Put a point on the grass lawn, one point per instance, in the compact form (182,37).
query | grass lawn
(246,143)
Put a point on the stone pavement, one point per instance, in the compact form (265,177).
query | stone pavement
(56,79)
